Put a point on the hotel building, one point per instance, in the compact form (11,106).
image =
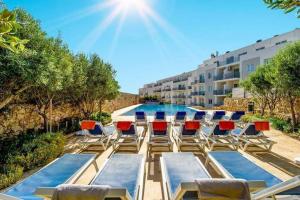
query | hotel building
(218,76)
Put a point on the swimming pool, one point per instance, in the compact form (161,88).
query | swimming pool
(170,109)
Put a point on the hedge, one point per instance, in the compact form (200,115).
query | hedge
(103,117)
(26,152)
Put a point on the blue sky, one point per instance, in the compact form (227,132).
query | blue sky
(178,35)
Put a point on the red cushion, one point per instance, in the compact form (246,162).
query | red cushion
(88,125)
(226,125)
(159,126)
(192,125)
(124,125)
(262,125)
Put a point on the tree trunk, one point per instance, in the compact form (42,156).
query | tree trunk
(293,112)
(50,115)
(9,99)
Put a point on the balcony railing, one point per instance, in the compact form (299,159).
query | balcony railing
(167,90)
(157,90)
(227,76)
(222,92)
(194,82)
(179,96)
(180,80)
(194,93)
(202,80)
(201,93)
(179,88)
(228,61)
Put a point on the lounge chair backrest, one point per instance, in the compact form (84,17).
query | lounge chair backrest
(160,115)
(126,127)
(262,125)
(180,115)
(218,132)
(237,115)
(97,130)
(160,127)
(140,115)
(226,125)
(190,127)
(250,130)
(199,115)
(88,124)
(218,115)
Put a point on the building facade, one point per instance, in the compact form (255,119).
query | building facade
(218,76)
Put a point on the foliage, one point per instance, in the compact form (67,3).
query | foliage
(251,118)
(281,125)
(8,27)
(287,75)
(286,5)
(259,84)
(47,74)
(103,117)
(26,152)
(93,82)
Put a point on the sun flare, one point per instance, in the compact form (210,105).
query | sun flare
(138,5)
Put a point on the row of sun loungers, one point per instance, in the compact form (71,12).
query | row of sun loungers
(196,132)
(183,174)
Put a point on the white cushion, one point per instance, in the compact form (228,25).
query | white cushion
(297,160)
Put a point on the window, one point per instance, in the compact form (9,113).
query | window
(282,42)
(209,101)
(209,75)
(235,85)
(261,48)
(229,60)
(250,68)
(210,88)
(241,54)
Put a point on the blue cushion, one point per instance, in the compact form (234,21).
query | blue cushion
(237,115)
(97,130)
(180,115)
(218,115)
(140,115)
(121,171)
(217,131)
(182,167)
(131,131)
(199,115)
(52,175)
(160,115)
(242,168)
(188,132)
(251,130)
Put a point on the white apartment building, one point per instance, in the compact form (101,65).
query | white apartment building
(218,76)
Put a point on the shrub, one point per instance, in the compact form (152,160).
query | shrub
(29,151)
(251,118)
(281,125)
(103,117)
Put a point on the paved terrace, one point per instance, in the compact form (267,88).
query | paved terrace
(279,162)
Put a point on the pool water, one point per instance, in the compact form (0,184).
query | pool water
(170,109)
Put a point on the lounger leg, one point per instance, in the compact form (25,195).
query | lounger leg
(96,165)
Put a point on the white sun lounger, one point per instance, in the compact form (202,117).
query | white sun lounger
(179,172)
(123,173)
(189,134)
(100,135)
(214,136)
(250,136)
(64,170)
(128,134)
(159,135)
(229,163)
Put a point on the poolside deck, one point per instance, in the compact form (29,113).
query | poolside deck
(279,162)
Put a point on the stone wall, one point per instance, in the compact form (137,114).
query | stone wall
(282,110)
(17,118)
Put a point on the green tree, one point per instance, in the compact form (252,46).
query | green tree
(287,69)
(19,72)
(93,82)
(8,28)
(286,5)
(260,85)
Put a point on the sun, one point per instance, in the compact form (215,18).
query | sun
(125,5)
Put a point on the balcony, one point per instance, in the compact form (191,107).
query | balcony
(194,82)
(194,93)
(179,88)
(189,87)
(167,90)
(227,76)
(180,80)
(228,61)
(201,93)
(222,92)
(179,96)
(157,91)
(202,80)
